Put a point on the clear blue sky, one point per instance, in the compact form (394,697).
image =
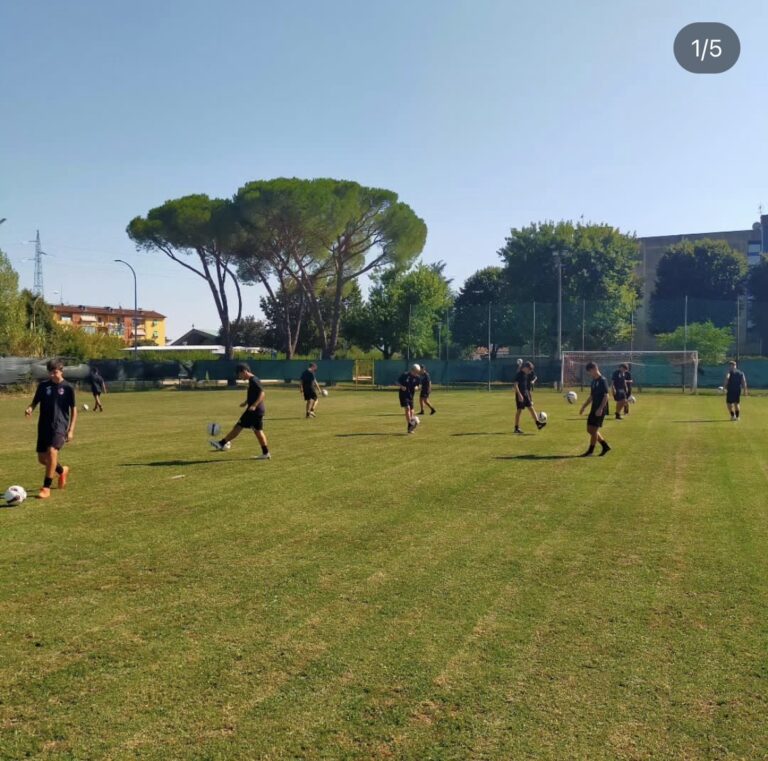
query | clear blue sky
(481,114)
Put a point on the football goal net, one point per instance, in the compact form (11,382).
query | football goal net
(649,369)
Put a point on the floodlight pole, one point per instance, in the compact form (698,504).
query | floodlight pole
(489,345)
(559,259)
(135,309)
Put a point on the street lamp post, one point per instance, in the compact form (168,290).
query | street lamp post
(559,260)
(135,309)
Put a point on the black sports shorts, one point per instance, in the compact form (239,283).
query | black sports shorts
(595,421)
(309,394)
(733,397)
(406,400)
(48,439)
(525,403)
(254,420)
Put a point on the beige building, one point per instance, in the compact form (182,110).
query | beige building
(114,321)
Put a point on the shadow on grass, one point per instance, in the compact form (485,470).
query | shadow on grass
(490,433)
(719,420)
(349,435)
(538,457)
(179,463)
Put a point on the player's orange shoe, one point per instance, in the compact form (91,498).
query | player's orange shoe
(44,493)
(63,477)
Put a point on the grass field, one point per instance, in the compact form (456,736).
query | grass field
(458,594)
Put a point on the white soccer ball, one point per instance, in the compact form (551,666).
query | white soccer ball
(542,417)
(325,392)
(571,397)
(720,389)
(416,420)
(214,429)
(85,408)
(14,495)
(632,399)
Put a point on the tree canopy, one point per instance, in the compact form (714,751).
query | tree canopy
(711,342)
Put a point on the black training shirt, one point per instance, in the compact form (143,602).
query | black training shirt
(97,383)
(620,380)
(254,392)
(307,379)
(735,380)
(522,382)
(598,390)
(411,382)
(531,381)
(426,382)
(56,401)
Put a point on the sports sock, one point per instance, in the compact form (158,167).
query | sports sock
(47,483)
(264,449)
(59,468)
(738,412)
(222,442)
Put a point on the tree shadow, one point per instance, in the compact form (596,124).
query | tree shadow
(180,463)
(538,457)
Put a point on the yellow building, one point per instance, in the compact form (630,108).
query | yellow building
(114,321)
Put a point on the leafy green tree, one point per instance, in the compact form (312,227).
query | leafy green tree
(758,290)
(324,234)
(402,312)
(598,266)
(73,342)
(202,235)
(11,307)
(710,272)
(248,331)
(711,342)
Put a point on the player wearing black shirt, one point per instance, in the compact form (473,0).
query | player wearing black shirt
(598,398)
(56,424)
(309,389)
(735,383)
(98,387)
(408,383)
(628,380)
(620,390)
(252,418)
(523,396)
(424,392)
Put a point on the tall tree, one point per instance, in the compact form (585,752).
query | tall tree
(598,263)
(326,233)
(247,331)
(709,272)
(705,337)
(200,234)
(11,307)
(758,290)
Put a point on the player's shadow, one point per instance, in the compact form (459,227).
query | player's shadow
(181,463)
(490,433)
(537,457)
(350,435)
(719,420)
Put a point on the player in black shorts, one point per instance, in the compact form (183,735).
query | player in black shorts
(424,392)
(628,380)
(252,418)
(56,424)
(408,383)
(598,397)
(735,383)
(523,396)
(98,387)
(620,390)
(309,389)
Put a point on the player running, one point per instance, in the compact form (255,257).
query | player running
(56,424)
(310,389)
(424,392)
(735,383)
(98,387)
(620,390)
(252,418)
(408,383)
(598,397)
(523,396)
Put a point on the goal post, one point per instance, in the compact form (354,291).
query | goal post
(655,369)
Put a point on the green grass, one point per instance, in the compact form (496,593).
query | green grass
(458,594)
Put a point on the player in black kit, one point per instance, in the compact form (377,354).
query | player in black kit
(523,398)
(425,391)
(309,389)
(98,387)
(252,418)
(56,425)
(620,384)
(408,383)
(598,397)
(735,383)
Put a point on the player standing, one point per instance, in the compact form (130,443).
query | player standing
(98,387)
(620,390)
(252,418)
(56,424)
(735,383)
(408,383)
(628,380)
(598,397)
(523,396)
(310,389)
(425,391)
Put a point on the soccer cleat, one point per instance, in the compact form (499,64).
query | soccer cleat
(44,493)
(519,431)
(618,417)
(605,451)
(312,414)
(588,453)
(539,424)
(218,446)
(63,476)
(266,456)
(433,412)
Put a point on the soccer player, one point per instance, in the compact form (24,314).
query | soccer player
(735,383)
(523,396)
(598,397)
(620,390)
(424,392)
(628,380)
(56,424)
(252,418)
(98,387)
(310,389)
(408,383)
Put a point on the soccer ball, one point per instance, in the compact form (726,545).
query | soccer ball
(214,429)
(85,408)
(14,495)
(416,420)
(632,399)
(720,389)
(542,417)
(325,392)
(571,397)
